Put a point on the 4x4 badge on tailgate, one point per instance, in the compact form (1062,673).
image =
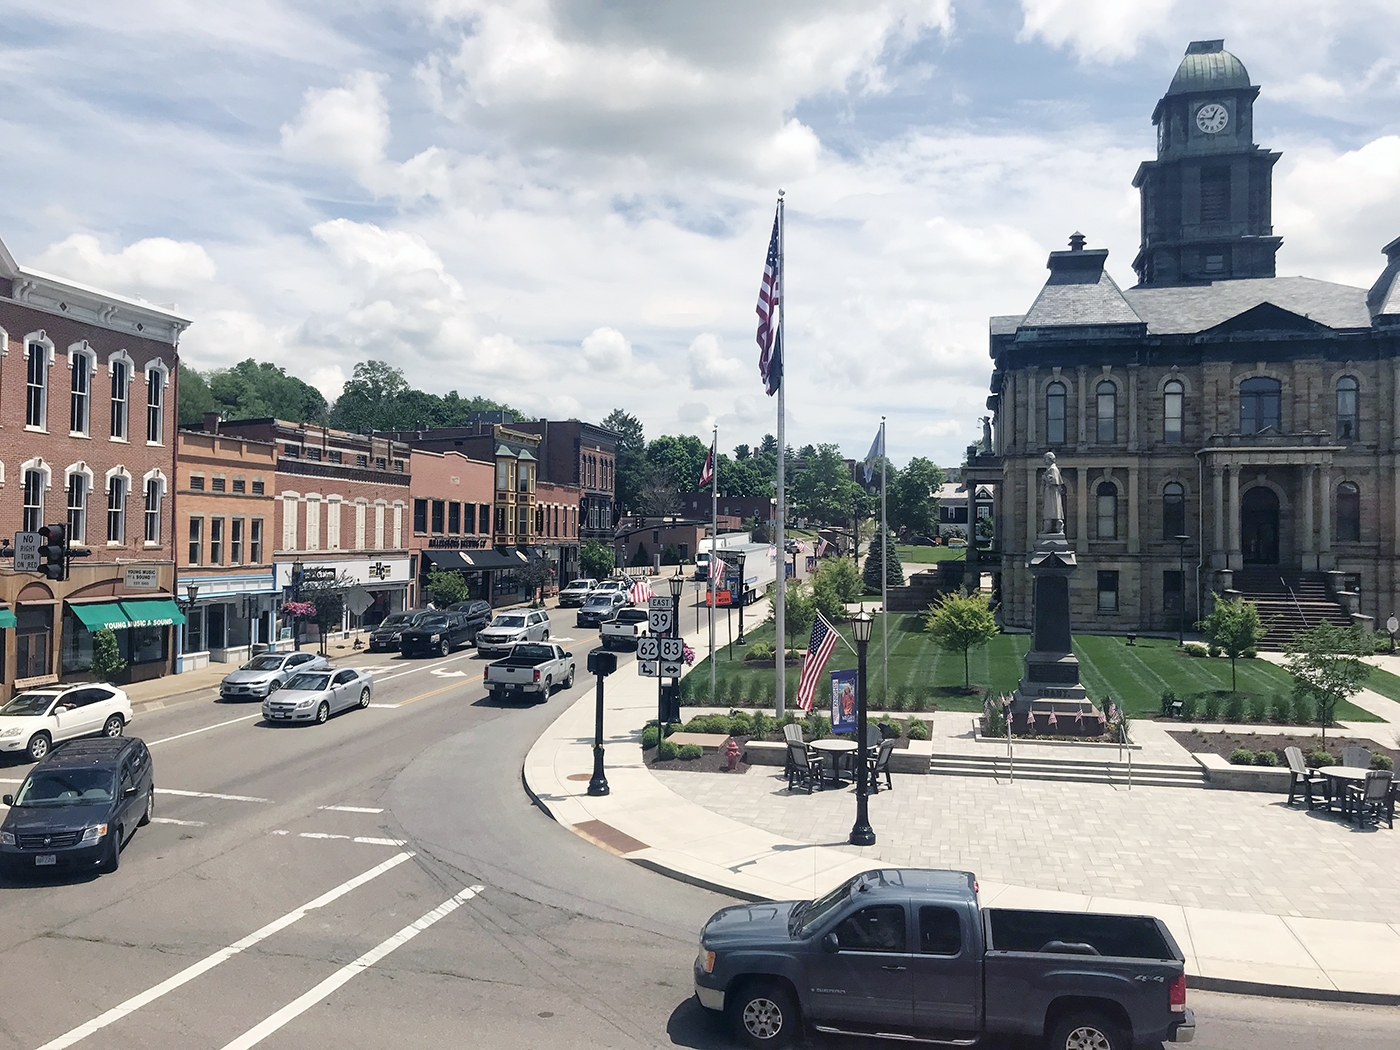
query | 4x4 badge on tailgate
(1146,977)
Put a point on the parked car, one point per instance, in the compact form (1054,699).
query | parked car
(600,608)
(576,593)
(909,955)
(617,585)
(313,696)
(476,612)
(263,675)
(37,719)
(523,625)
(531,669)
(435,633)
(625,629)
(922,541)
(385,638)
(79,806)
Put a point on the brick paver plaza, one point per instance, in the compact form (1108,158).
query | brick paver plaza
(1231,850)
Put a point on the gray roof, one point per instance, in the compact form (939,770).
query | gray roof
(1384,297)
(1085,298)
(1006,324)
(1186,309)
(1208,67)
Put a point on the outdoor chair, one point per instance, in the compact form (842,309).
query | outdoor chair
(1370,802)
(880,763)
(1356,757)
(800,770)
(1304,781)
(792,734)
(872,735)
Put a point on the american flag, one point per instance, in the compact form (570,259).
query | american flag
(716,567)
(819,648)
(822,546)
(640,592)
(707,472)
(770,305)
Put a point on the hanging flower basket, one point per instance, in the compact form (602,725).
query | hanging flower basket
(298,609)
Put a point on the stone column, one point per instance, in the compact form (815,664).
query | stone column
(1309,536)
(1133,375)
(1236,560)
(1081,513)
(1032,510)
(1218,551)
(1134,544)
(1083,407)
(1324,557)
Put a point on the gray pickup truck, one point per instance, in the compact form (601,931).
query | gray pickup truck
(532,669)
(909,955)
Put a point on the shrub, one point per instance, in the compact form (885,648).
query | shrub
(666,750)
(1213,649)
(1250,654)
(818,726)
(889,728)
(1318,759)
(1258,708)
(649,736)
(761,725)
(1282,708)
(789,717)
(994,722)
(733,691)
(1234,708)
(1212,706)
(1168,698)
(1266,758)
(1304,713)
(919,702)
(1194,649)
(740,723)
(918,729)
(760,651)
(1241,756)
(1382,762)
(690,752)
(899,701)
(1189,705)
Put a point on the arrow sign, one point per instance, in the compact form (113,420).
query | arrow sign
(670,670)
(648,669)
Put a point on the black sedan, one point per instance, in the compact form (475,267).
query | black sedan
(79,806)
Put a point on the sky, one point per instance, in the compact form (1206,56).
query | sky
(565,204)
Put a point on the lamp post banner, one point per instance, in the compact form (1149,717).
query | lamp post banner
(843,701)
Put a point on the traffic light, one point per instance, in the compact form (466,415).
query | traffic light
(53,552)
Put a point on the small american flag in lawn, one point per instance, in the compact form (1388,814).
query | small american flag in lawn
(819,648)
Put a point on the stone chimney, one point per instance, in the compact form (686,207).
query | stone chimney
(212,421)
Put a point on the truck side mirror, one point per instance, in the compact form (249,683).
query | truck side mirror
(831,944)
(8,800)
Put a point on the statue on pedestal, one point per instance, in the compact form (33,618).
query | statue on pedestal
(1052,498)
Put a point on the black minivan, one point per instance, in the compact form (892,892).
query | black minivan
(79,806)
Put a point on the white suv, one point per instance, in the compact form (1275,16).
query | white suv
(37,719)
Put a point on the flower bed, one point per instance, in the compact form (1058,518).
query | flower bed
(1226,745)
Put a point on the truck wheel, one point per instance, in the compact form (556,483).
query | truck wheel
(764,1014)
(548,690)
(445,647)
(1087,1030)
(569,682)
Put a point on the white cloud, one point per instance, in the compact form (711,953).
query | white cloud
(1096,29)
(346,126)
(711,369)
(156,264)
(607,350)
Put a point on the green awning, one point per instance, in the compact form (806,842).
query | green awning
(7,618)
(97,615)
(152,612)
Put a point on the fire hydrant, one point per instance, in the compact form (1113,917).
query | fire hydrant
(731,753)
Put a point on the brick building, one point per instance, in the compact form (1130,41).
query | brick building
(764,508)
(558,512)
(585,455)
(223,543)
(453,512)
(343,505)
(1255,416)
(87,439)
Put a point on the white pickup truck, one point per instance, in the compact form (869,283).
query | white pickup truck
(531,669)
(624,630)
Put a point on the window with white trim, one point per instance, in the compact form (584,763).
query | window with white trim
(121,392)
(196,541)
(80,399)
(216,541)
(235,542)
(289,523)
(255,541)
(116,509)
(36,392)
(33,500)
(77,507)
(155,405)
(1173,402)
(154,489)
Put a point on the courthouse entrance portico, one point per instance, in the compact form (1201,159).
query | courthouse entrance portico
(1259,526)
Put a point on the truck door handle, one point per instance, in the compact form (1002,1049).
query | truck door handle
(893,969)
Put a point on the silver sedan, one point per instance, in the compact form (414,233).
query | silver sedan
(313,696)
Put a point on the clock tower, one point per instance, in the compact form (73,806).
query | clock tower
(1207,198)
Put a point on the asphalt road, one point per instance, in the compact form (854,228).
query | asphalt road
(383,880)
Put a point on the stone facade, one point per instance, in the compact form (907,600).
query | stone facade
(1256,417)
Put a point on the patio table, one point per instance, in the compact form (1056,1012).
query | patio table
(833,753)
(1340,776)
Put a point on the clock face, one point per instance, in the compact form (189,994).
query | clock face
(1212,118)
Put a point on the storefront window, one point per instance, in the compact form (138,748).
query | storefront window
(33,636)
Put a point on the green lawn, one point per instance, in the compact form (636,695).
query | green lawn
(1133,675)
(909,554)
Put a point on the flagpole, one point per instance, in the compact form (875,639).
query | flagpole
(884,568)
(781,607)
(714,548)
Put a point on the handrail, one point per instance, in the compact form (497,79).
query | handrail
(1296,604)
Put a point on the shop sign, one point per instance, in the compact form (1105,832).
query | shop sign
(141,577)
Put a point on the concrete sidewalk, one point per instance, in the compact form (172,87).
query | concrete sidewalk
(646,822)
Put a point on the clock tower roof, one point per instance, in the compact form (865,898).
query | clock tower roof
(1207,66)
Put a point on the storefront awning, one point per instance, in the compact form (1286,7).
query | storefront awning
(490,560)
(445,559)
(152,612)
(7,618)
(97,615)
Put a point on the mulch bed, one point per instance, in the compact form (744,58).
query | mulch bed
(715,761)
(1222,744)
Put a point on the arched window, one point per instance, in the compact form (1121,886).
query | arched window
(1173,398)
(1259,398)
(155,403)
(36,393)
(1173,510)
(80,367)
(1108,510)
(1055,414)
(1348,512)
(1348,425)
(155,489)
(1106,400)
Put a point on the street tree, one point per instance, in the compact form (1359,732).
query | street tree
(1327,666)
(631,457)
(912,496)
(961,623)
(800,612)
(107,661)
(874,560)
(1234,627)
(824,491)
(597,559)
(447,587)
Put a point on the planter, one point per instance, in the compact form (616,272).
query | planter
(1221,774)
(913,759)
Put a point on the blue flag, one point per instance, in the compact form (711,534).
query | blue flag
(876,453)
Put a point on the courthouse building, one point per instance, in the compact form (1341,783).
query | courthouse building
(1219,428)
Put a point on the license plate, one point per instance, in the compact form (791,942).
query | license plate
(281,714)
(44,860)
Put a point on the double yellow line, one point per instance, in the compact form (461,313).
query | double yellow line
(469,681)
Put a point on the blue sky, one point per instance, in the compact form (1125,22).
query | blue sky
(565,203)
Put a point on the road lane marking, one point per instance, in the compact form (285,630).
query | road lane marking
(302,1003)
(179,823)
(364,840)
(351,809)
(206,964)
(211,794)
(192,732)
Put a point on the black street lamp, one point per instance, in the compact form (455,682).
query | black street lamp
(739,564)
(601,663)
(862,834)
(1181,542)
(675,584)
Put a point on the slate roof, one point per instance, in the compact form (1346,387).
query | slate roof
(1006,324)
(1384,296)
(1187,309)
(1079,299)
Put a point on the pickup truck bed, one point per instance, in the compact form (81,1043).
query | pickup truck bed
(532,669)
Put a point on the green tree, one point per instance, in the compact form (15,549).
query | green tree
(844,579)
(826,597)
(961,623)
(799,612)
(194,396)
(256,390)
(1327,666)
(535,576)
(107,660)
(597,559)
(446,587)
(873,561)
(1234,626)
(912,496)
(824,491)
(631,462)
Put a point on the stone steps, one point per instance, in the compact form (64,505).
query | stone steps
(1078,770)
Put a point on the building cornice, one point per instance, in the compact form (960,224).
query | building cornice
(83,303)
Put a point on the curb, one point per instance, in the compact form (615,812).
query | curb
(1288,991)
